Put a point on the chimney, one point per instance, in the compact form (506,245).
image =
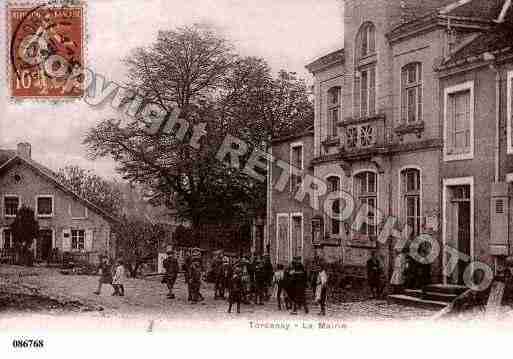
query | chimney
(24,150)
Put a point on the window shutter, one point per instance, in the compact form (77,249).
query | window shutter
(89,240)
(372,39)
(66,240)
(419,92)
(1,239)
(467,122)
(356,95)
(449,123)
(404,95)
(372,91)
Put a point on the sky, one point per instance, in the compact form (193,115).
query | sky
(288,34)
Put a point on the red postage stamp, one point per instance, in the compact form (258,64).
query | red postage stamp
(46,50)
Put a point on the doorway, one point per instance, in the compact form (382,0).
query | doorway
(459,231)
(45,244)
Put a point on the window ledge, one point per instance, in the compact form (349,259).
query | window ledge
(405,128)
(458,157)
(348,121)
(331,142)
(362,241)
(44,215)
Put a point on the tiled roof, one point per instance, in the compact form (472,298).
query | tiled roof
(499,38)
(8,155)
(485,9)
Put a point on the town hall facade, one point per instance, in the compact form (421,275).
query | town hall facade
(413,117)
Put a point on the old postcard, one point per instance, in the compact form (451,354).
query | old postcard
(232,170)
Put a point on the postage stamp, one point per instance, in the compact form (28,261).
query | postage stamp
(46,49)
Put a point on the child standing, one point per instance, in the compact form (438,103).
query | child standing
(236,288)
(321,290)
(118,279)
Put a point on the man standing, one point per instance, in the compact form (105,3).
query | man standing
(187,271)
(269,273)
(260,282)
(299,283)
(374,274)
(217,273)
(105,271)
(171,267)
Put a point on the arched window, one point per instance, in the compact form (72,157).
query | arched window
(334,99)
(366,191)
(411,93)
(410,198)
(364,94)
(333,183)
(366,40)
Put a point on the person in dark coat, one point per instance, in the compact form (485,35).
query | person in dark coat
(374,275)
(269,273)
(225,274)
(236,288)
(171,267)
(105,272)
(187,271)
(195,282)
(260,282)
(217,272)
(299,282)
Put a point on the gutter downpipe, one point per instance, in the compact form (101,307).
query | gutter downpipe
(493,67)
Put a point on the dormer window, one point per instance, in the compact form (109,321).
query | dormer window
(334,98)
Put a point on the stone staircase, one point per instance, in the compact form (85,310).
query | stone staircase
(433,296)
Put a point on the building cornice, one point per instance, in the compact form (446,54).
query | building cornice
(433,21)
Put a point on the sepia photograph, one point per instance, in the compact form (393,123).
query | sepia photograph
(274,172)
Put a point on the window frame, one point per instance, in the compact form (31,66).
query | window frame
(419,95)
(4,207)
(287,217)
(37,214)
(11,239)
(331,221)
(447,152)
(77,248)
(332,122)
(358,111)
(291,226)
(402,196)
(366,31)
(296,177)
(358,196)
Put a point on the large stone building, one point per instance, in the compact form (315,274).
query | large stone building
(67,222)
(413,117)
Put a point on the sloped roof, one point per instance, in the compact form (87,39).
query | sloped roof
(485,9)
(480,13)
(6,155)
(327,60)
(9,157)
(497,39)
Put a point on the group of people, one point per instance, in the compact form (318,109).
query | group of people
(111,274)
(248,279)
